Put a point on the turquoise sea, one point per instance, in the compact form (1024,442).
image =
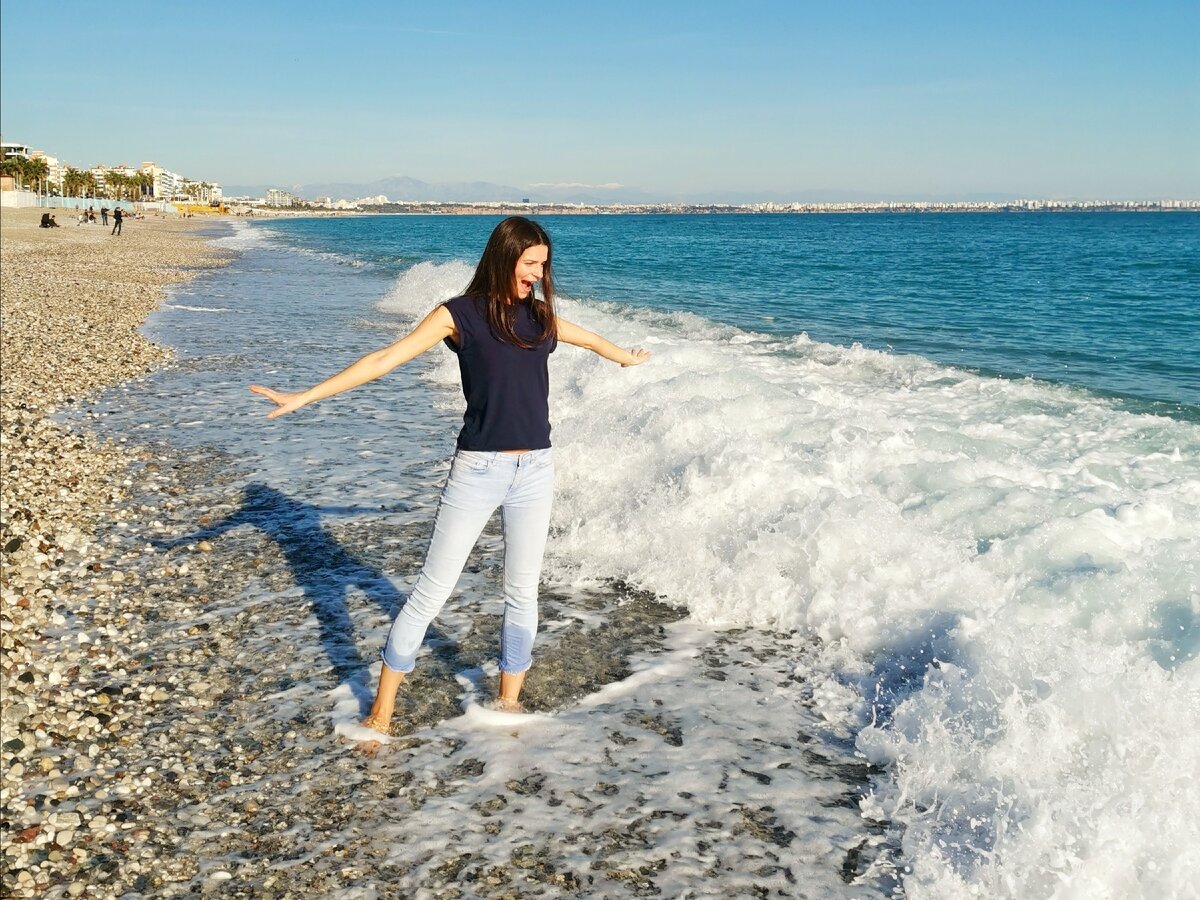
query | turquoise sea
(1105,301)
(938,476)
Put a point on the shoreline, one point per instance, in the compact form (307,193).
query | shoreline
(185,679)
(72,303)
(74,299)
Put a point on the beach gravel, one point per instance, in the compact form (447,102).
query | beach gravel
(71,301)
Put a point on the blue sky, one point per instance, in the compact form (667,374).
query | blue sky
(896,99)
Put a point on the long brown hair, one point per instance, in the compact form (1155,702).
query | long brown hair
(495,281)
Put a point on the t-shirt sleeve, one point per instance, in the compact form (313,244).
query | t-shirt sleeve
(462,323)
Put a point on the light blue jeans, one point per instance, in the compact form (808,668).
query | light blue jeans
(522,486)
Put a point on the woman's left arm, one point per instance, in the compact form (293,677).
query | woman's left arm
(570,333)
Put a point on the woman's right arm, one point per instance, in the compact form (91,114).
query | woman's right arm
(436,326)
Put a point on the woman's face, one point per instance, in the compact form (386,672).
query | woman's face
(530,266)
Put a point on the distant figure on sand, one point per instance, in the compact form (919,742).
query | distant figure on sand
(503,336)
(117,214)
(104,215)
(48,221)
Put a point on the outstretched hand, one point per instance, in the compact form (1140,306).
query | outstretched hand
(639,356)
(286,402)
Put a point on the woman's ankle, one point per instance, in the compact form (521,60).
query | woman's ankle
(384,705)
(510,688)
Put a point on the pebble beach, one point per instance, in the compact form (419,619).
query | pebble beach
(73,298)
(187,650)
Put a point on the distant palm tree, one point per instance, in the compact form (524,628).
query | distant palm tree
(115,184)
(36,171)
(26,172)
(13,168)
(77,183)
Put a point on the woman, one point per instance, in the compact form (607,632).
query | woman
(503,336)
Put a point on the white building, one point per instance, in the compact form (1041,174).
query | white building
(206,191)
(55,169)
(166,183)
(281,198)
(98,172)
(8,150)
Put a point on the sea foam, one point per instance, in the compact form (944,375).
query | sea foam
(1000,574)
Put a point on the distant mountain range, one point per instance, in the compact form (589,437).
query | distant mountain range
(404,188)
(401,187)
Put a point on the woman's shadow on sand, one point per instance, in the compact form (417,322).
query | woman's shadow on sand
(323,569)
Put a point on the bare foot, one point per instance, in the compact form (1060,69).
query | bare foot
(380,717)
(510,690)
(377,722)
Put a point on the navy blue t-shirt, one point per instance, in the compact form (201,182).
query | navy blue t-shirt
(507,387)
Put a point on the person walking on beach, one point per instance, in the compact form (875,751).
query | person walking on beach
(104,215)
(503,336)
(117,217)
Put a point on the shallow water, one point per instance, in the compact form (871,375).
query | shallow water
(986,586)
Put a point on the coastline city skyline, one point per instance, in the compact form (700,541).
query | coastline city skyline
(788,104)
(152,182)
